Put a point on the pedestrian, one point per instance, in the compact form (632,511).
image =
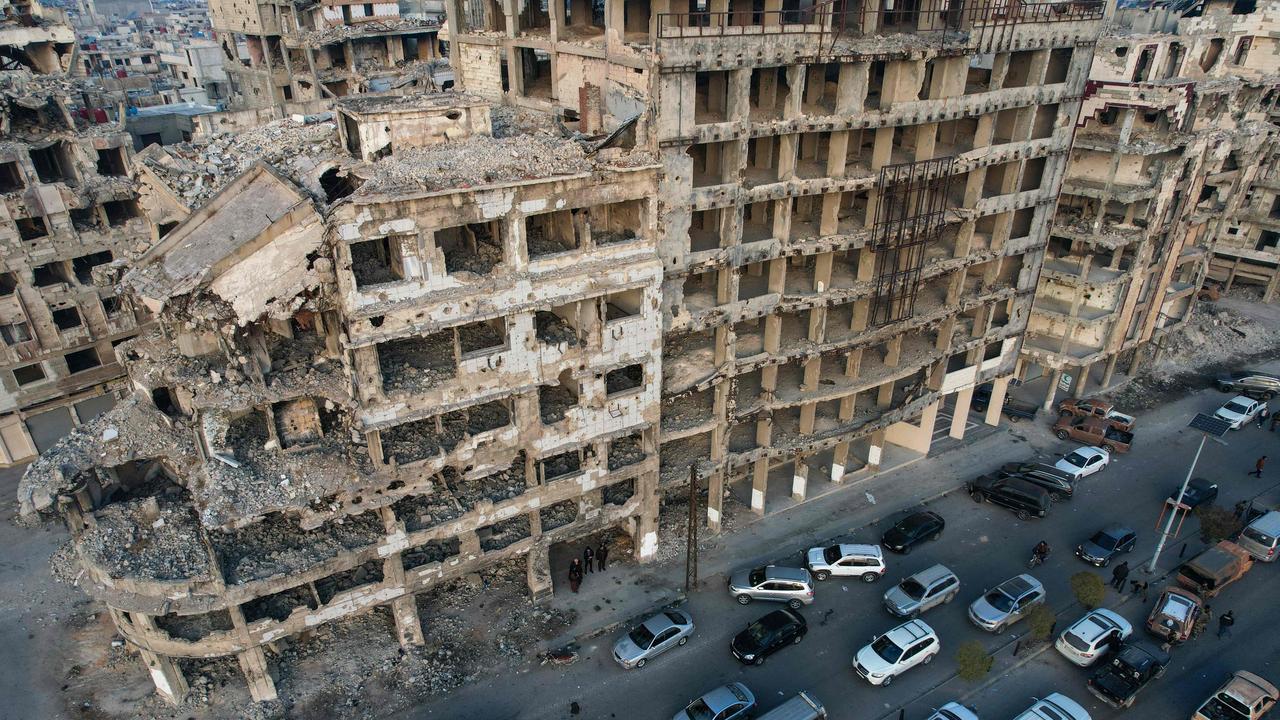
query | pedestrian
(1263,414)
(1224,624)
(602,555)
(587,556)
(1275,420)
(1241,508)
(1140,588)
(1257,466)
(1119,574)
(575,574)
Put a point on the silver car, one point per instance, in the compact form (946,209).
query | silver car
(793,586)
(1008,603)
(727,702)
(653,637)
(923,591)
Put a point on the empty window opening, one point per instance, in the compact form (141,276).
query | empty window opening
(87,219)
(708,163)
(635,20)
(535,72)
(1146,59)
(753,281)
(421,439)
(1268,240)
(29,374)
(583,18)
(704,230)
(15,333)
(51,274)
(558,325)
(1211,53)
(195,627)
(83,266)
(53,163)
(111,162)
(1059,66)
(298,423)
(279,606)
(552,233)
(626,450)
(978,78)
(338,185)
(481,337)
(616,222)
(1045,119)
(67,318)
(1173,64)
(366,574)
(496,487)
(768,92)
(120,212)
(506,533)
(1242,51)
(1244,7)
(763,160)
(31,228)
(620,492)
(8,283)
(1032,174)
(82,360)
(623,305)
(112,306)
(555,401)
(165,401)
(558,515)
(1019,73)
(558,466)
(434,551)
(10,177)
(417,363)
(378,261)
(533,15)
(475,248)
(624,380)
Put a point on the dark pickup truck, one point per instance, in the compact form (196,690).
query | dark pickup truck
(1093,431)
(1118,682)
(1012,409)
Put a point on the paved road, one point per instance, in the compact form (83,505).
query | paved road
(983,545)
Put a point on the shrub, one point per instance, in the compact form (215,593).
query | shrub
(1042,621)
(973,661)
(1088,589)
(1217,523)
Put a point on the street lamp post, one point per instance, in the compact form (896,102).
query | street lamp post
(1208,426)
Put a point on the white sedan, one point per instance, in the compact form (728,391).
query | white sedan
(1093,636)
(1239,410)
(1083,461)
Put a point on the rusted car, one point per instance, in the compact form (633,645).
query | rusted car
(1175,614)
(1244,697)
(1212,570)
(1072,407)
(1093,431)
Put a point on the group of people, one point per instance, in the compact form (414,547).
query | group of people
(592,560)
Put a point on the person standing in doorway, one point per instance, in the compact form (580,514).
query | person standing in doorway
(1224,624)
(587,556)
(602,555)
(1257,466)
(1119,574)
(575,574)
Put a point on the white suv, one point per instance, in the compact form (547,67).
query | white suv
(1093,636)
(1054,707)
(897,651)
(861,561)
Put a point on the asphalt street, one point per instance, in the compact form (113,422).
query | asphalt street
(983,545)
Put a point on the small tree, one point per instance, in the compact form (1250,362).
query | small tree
(1217,523)
(973,661)
(1042,621)
(1088,589)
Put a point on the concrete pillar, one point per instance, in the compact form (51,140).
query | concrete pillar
(999,387)
(759,484)
(253,663)
(408,626)
(838,458)
(1109,371)
(1136,363)
(715,501)
(538,573)
(876,452)
(646,526)
(800,479)
(1082,380)
(168,679)
(961,417)
(1053,389)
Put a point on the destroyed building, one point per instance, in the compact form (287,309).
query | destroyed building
(1174,128)
(68,209)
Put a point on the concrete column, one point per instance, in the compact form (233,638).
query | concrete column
(1109,371)
(1136,363)
(168,679)
(875,454)
(408,626)
(715,501)
(759,484)
(961,417)
(646,526)
(538,573)
(253,663)
(839,456)
(999,388)
(800,479)
(1082,380)
(1053,389)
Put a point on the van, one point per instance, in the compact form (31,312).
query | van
(1212,570)
(1259,537)
(801,707)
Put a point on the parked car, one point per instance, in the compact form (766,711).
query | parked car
(768,635)
(897,651)
(802,706)
(1208,573)
(922,591)
(1252,383)
(913,530)
(1072,407)
(1083,461)
(1134,665)
(1244,696)
(727,702)
(1261,536)
(653,637)
(1105,544)
(1054,707)
(865,562)
(1025,499)
(1093,431)
(953,711)
(1239,411)
(793,586)
(1060,485)
(1007,603)
(1093,636)
(1011,408)
(1199,492)
(1175,614)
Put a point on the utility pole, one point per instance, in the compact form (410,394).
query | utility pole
(691,551)
(1208,426)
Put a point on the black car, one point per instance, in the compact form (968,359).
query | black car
(767,635)
(1250,382)
(1199,492)
(1022,497)
(1060,485)
(913,530)
(1133,666)
(1105,544)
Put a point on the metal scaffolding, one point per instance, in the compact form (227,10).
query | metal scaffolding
(910,214)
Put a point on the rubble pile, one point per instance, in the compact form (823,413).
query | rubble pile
(1216,326)
(277,545)
(341,33)
(158,540)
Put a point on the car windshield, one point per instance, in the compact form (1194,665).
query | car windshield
(1104,541)
(674,617)
(1236,408)
(831,554)
(913,589)
(998,600)
(886,649)
(1075,459)
(641,637)
(699,710)
(756,577)
(1230,703)
(1074,641)
(1258,536)
(759,630)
